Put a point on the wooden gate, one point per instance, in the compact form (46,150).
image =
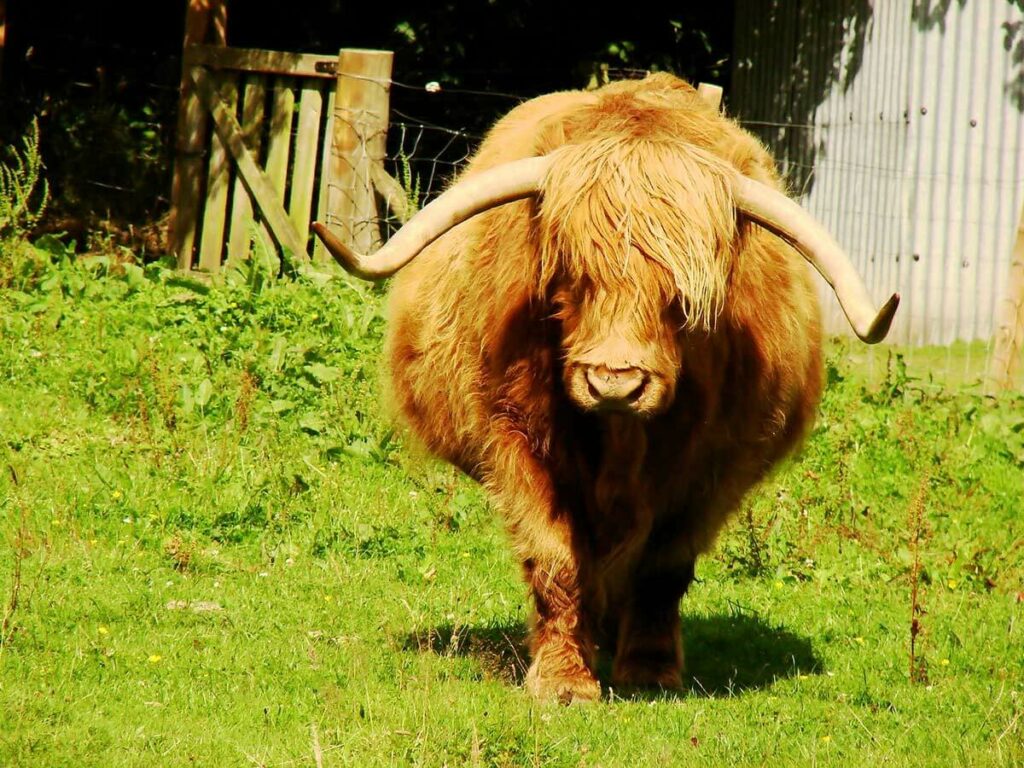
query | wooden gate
(295,137)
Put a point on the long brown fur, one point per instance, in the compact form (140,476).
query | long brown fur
(631,254)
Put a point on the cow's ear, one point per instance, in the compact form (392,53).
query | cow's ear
(550,137)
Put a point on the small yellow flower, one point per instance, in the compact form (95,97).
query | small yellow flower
(801,677)
(115,495)
(328,598)
(92,542)
(154,658)
(944,662)
(826,738)
(103,630)
(951,583)
(778,585)
(859,640)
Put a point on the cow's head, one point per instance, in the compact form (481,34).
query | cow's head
(636,243)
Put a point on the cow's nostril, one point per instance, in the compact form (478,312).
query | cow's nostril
(625,385)
(638,390)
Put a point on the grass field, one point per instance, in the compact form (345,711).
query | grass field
(214,551)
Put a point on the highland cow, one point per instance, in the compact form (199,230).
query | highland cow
(609,321)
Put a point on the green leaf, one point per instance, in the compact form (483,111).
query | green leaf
(323,373)
(312,424)
(204,393)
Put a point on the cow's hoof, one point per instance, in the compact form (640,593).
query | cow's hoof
(564,689)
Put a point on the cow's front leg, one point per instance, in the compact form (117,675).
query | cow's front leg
(561,638)
(649,651)
(562,645)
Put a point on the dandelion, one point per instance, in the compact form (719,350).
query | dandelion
(952,583)
(859,640)
(103,630)
(328,598)
(944,662)
(155,658)
(778,585)
(116,495)
(826,739)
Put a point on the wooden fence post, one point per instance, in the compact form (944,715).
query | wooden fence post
(1009,336)
(205,20)
(361,103)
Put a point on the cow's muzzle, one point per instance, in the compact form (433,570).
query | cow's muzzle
(615,389)
(602,388)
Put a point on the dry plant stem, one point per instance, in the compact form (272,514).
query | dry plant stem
(918,534)
(20,550)
(318,754)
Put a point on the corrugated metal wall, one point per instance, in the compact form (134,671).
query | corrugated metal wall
(904,134)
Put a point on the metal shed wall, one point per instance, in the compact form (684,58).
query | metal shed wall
(903,133)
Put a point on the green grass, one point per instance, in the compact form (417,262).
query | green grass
(168,447)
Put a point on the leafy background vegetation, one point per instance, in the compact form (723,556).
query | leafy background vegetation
(103,79)
(217,551)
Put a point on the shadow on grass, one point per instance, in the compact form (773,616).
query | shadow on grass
(726,654)
(501,649)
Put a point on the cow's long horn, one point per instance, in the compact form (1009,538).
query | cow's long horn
(475,194)
(787,219)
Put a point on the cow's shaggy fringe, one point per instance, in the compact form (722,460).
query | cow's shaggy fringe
(606,202)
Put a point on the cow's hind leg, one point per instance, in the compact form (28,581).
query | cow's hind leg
(649,650)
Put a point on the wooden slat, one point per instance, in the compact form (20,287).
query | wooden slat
(267,62)
(304,170)
(279,144)
(218,178)
(320,254)
(258,184)
(253,109)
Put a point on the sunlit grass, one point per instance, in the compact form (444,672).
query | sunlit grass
(227,557)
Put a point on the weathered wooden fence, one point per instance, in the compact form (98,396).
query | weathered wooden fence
(269,141)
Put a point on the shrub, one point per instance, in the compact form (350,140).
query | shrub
(23,190)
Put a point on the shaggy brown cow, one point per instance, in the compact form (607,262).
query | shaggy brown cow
(618,353)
